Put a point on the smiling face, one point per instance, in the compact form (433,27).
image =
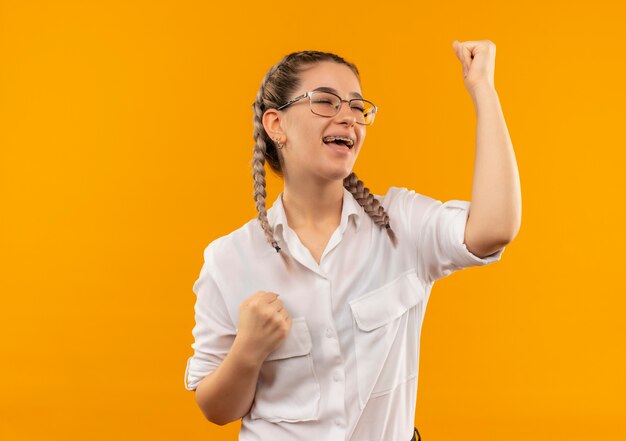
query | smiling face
(305,154)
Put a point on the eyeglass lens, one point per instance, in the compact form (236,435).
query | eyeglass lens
(327,104)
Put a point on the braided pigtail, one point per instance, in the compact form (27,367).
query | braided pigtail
(370,204)
(258,174)
(260,152)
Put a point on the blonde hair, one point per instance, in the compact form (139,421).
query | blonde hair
(278,84)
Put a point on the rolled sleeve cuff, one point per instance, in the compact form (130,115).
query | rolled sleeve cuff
(458,248)
(195,371)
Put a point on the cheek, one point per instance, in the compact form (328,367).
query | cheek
(312,137)
(307,147)
(362,137)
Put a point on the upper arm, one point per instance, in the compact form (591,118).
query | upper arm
(214,331)
(441,244)
(436,231)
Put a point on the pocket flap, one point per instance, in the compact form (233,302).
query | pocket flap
(388,302)
(297,342)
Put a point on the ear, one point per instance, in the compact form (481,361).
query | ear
(272,123)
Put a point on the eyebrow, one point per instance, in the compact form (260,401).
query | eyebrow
(331,90)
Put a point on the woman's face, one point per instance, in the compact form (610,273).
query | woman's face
(305,154)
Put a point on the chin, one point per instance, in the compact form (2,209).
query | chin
(340,176)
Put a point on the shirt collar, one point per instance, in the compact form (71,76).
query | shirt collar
(350,209)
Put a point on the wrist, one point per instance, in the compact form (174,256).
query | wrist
(482,89)
(246,355)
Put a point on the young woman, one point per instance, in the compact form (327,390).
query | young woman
(308,318)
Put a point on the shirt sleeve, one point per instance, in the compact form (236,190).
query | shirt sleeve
(214,331)
(438,231)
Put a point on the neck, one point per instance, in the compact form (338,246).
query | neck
(309,205)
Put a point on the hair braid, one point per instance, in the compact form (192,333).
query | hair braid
(258,163)
(370,204)
(258,172)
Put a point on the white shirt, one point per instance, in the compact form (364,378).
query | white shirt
(348,368)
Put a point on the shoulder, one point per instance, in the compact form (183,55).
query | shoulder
(415,210)
(403,200)
(224,246)
(240,244)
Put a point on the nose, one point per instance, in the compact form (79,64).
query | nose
(348,115)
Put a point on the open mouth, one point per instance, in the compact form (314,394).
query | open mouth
(339,141)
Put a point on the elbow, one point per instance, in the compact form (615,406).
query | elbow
(210,415)
(215,419)
(218,422)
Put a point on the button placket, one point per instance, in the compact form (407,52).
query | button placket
(336,386)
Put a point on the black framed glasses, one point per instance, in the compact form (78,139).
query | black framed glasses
(328,104)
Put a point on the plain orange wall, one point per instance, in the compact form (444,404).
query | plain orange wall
(125,147)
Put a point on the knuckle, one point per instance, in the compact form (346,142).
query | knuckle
(285,330)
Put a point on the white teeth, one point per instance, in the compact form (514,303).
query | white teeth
(349,142)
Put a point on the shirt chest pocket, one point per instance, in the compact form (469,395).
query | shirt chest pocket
(386,325)
(288,389)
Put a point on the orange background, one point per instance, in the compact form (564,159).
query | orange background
(125,147)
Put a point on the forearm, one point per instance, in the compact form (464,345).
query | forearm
(227,394)
(495,213)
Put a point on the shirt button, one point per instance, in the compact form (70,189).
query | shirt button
(329,333)
(338,422)
(337,377)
